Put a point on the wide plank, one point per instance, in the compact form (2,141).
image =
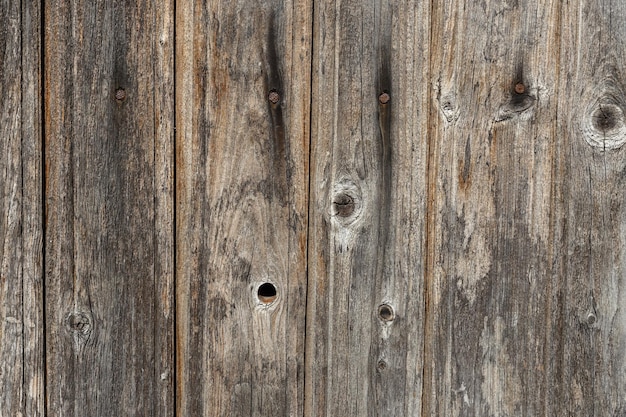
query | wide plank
(365,312)
(109,208)
(242,118)
(21,269)
(492,209)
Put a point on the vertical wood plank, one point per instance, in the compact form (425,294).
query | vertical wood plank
(591,165)
(368,200)
(109,208)
(21,302)
(491,298)
(243,97)
(32,211)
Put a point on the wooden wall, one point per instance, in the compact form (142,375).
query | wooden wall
(299,208)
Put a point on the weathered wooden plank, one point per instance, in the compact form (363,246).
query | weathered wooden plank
(109,208)
(491,296)
(243,97)
(368,199)
(591,348)
(21,307)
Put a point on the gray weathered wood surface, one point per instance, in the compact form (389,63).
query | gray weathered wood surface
(241,205)
(590,249)
(527,270)
(21,272)
(436,191)
(109,208)
(491,318)
(368,199)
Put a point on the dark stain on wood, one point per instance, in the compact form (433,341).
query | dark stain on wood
(466,165)
(605,118)
(280,151)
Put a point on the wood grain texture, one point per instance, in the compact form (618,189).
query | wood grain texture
(368,187)
(21,302)
(491,285)
(109,208)
(241,205)
(591,350)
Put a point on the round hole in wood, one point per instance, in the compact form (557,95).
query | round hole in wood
(386,313)
(266,293)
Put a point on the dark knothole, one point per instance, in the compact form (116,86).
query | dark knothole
(344,205)
(386,313)
(266,293)
(605,118)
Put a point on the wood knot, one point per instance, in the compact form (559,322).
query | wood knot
(449,108)
(79,323)
(591,319)
(518,101)
(386,313)
(343,205)
(346,203)
(80,326)
(605,118)
(605,129)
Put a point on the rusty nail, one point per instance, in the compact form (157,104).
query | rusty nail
(519,88)
(120,94)
(384,98)
(273,97)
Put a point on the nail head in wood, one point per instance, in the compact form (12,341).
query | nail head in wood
(520,88)
(120,94)
(384,98)
(273,97)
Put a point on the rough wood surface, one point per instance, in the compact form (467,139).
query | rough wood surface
(458,251)
(243,94)
(590,351)
(490,319)
(526,274)
(109,208)
(21,302)
(368,199)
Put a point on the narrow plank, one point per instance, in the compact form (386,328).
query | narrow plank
(21,307)
(490,294)
(11,239)
(591,348)
(368,201)
(242,117)
(109,208)
(32,212)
